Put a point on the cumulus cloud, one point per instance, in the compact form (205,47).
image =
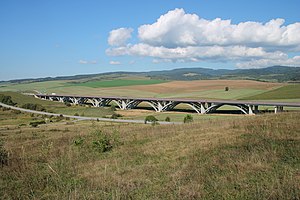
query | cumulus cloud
(176,28)
(181,37)
(84,62)
(114,62)
(119,36)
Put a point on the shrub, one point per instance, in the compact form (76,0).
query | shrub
(78,141)
(16,112)
(116,115)
(36,123)
(104,142)
(188,119)
(226,88)
(3,154)
(151,119)
(32,106)
(68,104)
(6,100)
(76,114)
(167,119)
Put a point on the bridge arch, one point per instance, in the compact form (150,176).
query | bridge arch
(194,106)
(135,104)
(240,107)
(116,102)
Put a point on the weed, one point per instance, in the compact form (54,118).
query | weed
(78,141)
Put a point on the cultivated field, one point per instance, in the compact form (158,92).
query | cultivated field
(152,88)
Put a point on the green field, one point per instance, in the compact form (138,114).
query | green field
(214,94)
(117,83)
(59,108)
(285,92)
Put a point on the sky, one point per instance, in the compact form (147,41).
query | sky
(42,38)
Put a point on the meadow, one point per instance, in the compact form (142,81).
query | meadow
(234,158)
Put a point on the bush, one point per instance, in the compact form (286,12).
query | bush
(188,119)
(78,141)
(32,106)
(76,114)
(68,104)
(3,154)
(104,142)
(167,119)
(6,100)
(17,112)
(151,119)
(36,123)
(226,88)
(116,115)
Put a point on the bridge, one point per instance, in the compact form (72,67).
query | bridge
(201,106)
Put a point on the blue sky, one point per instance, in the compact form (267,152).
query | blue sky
(60,37)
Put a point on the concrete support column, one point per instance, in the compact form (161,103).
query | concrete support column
(202,108)
(278,109)
(250,110)
(123,105)
(159,107)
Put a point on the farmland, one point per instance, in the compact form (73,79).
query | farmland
(207,89)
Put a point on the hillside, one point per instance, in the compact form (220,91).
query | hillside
(272,74)
(249,158)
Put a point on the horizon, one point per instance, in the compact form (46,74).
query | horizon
(112,72)
(54,39)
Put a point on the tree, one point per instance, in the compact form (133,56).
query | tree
(151,119)
(167,119)
(226,88)
(188,119)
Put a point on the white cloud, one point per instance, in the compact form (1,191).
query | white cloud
(119,37)
(294,61)
(114,62)
(84,62)
(180,37)
(178,29)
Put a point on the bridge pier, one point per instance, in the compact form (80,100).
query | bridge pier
(278,109)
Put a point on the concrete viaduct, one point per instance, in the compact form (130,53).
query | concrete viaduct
(201,106)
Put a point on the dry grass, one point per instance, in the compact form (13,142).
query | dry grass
(249,158)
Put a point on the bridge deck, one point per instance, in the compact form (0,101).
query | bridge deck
(182,100)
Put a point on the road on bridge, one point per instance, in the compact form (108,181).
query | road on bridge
(83,118)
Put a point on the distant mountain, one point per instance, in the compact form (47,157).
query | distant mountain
(273,74)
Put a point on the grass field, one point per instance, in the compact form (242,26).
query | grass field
(286,92)
(117,83)
(242,158)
